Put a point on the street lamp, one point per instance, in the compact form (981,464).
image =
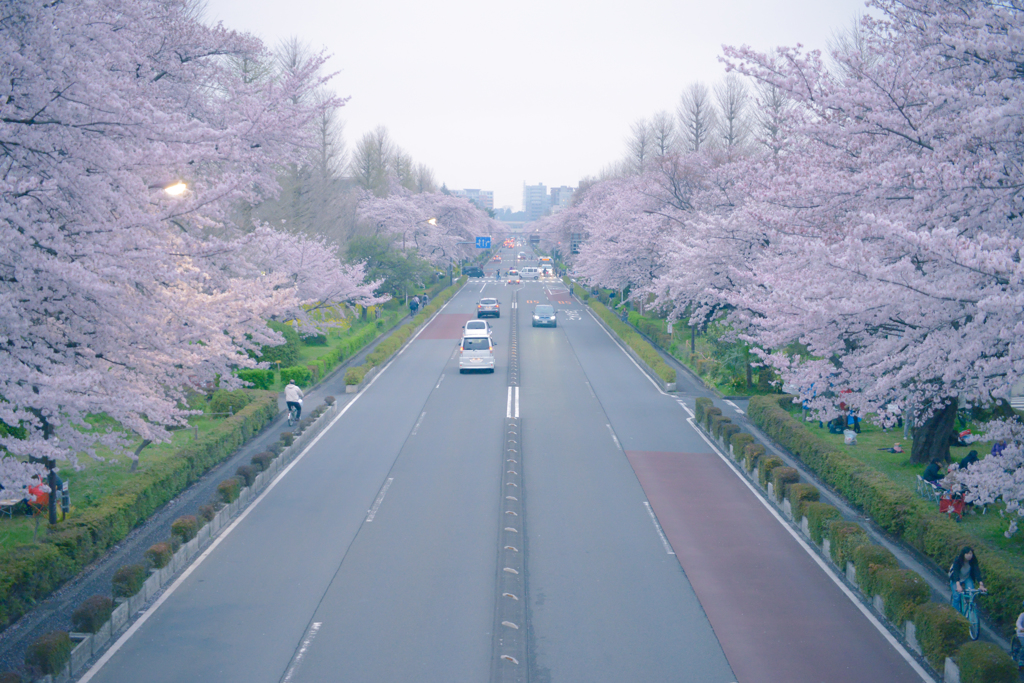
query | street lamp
(176,189)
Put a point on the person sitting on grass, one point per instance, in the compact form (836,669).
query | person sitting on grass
(933,473)
(971,457)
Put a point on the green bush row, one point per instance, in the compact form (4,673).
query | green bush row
(899,511)
(639,345)
(302,375)
(654,329)
(260,379)
(30,573)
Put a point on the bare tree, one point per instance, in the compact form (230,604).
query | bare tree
(663,133)
(371,161)
(770,117)
(733,127)
(425,181)
(696,117)
(403,169)
(640,147)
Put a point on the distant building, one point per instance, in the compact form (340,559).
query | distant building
(536,201)
(482,198)
(561,197)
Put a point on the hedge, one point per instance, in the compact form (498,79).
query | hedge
(781,476)
(940,630)
(765,465)
(30,573)
(710,413)
(92,614)
(844,538)
(159,555)
(128,580)
(982,662)
(228,402)
(800,495)
(870,560)
(228,490)
(262,460)
(899,511)
(903,591)
(819,515)
(715,423)
(739,441)
(260,379)
(49,653)
(703,403)
(185,527)
(727,430)
(640,346)
(299,373)
(751,455)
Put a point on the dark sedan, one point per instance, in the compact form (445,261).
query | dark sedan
(544,316)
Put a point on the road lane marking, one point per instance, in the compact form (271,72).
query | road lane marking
(517,403)
(440,380)
(614,438)
(897,645)
(508,405)
(657,527)
(736,407)
(600,323)
(418,422)
(380,499)
(310,635)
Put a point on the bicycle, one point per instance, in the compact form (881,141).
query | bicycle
(969,608)
(1017,651)
(293,414)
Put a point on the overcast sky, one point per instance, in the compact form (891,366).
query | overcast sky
(494,94)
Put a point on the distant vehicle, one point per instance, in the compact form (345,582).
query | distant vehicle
(497,257)
(476,353)
(473,271)
(531,273)
(544,316)
(488,307)
(545,260)
(522,256)
(513,277)
(474,328)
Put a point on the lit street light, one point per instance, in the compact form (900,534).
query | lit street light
(176,189)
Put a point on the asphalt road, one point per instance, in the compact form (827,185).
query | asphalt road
(375,556)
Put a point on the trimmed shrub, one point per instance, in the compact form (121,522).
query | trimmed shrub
(287,438)
(708,414)
(330,400)
(765,466)
(288,352)
(207,513)
(982,662)
(845,538)
(739,441)
(903,590)
(751,455)
(260,379)
(870,560)
(941,630)
(49,653)
(262,460)
(159,555)
(781,476)
(128,580)
(354,376)
(703,403)
(92,614)
(228,402)
(247,473)
(299,373)
(228,490)
(726,431)
(819,515)
(185,527)
(715,423)
(799,496)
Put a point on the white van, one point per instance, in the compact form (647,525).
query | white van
(476,352)
(530,273)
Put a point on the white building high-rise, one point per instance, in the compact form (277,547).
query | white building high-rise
(536,201)
(482,198)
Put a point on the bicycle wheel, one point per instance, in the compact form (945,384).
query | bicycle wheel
(974,620)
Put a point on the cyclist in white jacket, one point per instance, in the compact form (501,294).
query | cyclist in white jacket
(293,396)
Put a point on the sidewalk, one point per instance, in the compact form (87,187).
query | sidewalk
(54,613)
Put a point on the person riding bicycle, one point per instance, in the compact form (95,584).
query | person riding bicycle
(293,397)
(965,573)
(1019,632)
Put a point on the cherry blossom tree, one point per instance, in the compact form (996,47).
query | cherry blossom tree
(894,214)
(115,297)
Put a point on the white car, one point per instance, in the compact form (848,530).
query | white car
(476,352)
(475,328)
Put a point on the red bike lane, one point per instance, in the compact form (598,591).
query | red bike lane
(778,615)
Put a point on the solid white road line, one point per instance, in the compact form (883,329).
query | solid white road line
(736,407)
(508,406)
(816,557)
(657,527)
(372,512)
(517,403)
(436,386)
(614,438)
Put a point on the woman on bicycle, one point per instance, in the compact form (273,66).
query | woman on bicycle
(965,573)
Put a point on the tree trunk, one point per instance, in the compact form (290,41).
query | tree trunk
(931,438)
(750,377)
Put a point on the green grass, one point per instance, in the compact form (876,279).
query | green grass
(989,527)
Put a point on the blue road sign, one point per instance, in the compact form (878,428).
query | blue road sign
(483,242)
